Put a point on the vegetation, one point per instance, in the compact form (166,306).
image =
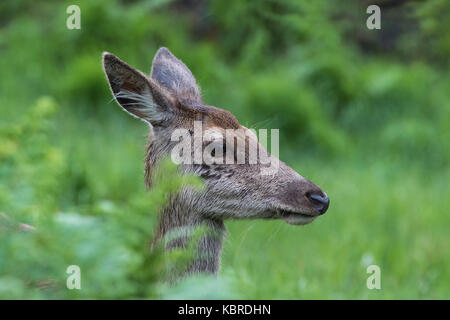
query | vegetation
(365,114)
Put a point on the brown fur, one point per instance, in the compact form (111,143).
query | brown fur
(170,99)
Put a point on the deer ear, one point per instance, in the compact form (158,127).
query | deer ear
(172,74)
(136,94)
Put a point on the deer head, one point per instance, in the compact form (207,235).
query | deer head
(169,100)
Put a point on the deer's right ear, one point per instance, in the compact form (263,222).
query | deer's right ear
(136,94)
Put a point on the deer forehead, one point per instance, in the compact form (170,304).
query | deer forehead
(216,133)
(209,115)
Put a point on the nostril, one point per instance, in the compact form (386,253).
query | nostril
(320,202)
(317,198)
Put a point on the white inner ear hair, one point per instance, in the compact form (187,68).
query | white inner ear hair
(142,106)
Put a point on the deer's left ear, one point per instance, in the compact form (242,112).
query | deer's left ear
(175,76)
(138,95)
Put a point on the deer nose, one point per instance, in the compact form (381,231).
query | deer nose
(319,201)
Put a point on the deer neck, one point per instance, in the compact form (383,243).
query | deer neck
(179,220)
(180,226)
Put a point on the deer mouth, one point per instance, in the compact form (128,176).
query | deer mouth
(295,218)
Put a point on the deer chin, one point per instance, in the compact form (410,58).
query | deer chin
(295,218)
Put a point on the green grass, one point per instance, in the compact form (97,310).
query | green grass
(369,125)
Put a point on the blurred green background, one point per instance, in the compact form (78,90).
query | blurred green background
(365,114)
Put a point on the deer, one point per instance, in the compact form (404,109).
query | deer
(169,99)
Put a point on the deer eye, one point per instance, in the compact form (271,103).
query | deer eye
(224,149)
